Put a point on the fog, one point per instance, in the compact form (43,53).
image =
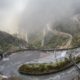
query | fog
(20,16)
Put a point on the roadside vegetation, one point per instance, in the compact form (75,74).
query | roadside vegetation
(55,40)
(10,43)
(45,68)
(76,40)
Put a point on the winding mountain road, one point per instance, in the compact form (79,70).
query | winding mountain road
(55,32)
(9,66)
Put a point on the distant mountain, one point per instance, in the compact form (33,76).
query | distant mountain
(63,34)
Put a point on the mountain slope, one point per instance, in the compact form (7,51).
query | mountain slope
(63,34)
(10,43)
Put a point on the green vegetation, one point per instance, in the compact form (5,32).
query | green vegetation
(76,40)
(43,68)
(10,43)
(56,42)
(68,26)
(50,41)
(36,44)
(35,40)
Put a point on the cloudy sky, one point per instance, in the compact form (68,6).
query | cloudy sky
(31,15)
(10,13)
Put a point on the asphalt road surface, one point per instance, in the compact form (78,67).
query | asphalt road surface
(9,66)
